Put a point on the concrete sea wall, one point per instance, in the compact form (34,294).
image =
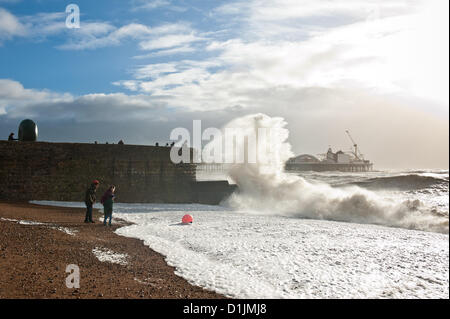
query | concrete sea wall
(62,172)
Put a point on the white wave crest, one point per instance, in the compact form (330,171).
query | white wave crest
(265,187)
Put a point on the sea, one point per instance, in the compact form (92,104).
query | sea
(379,234)
(243,253)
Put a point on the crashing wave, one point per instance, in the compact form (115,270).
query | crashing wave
(265,187)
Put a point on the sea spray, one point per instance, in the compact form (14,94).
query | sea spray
(264,187)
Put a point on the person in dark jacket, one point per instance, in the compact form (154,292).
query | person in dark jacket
(108,202)
(90,199)
(11,137)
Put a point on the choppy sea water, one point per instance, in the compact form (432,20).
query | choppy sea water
(251,254)
(430,187)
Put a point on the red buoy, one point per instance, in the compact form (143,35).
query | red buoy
(187,219)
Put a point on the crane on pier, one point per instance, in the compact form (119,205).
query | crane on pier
(356,151)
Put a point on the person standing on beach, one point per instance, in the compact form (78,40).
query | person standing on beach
(11,137)
(108,202)
(90,199)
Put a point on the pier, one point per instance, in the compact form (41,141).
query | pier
(323,167)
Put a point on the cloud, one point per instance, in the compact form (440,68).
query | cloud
(11,90)
(325,66)
(155,70)
(14,98)
(165,77)
(383,52)
(156,4)
(17,102)
(42,26)
(288,10)
(317,117)
(99,35)
(167,52)
(169,41)
(150,4)
(10,26)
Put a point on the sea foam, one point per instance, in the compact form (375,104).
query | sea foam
(265,187)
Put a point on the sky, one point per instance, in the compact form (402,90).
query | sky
(137,69)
